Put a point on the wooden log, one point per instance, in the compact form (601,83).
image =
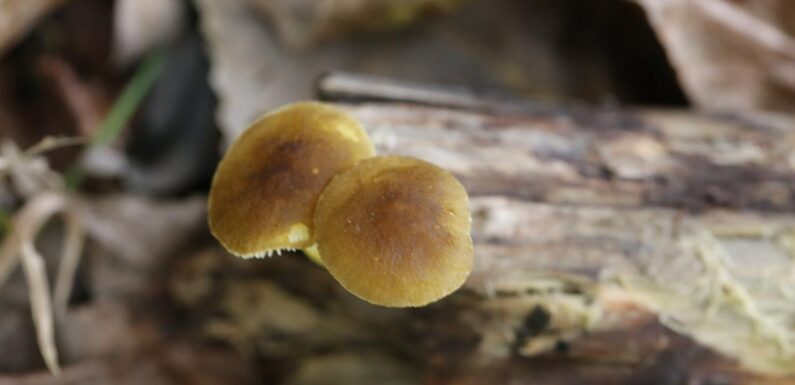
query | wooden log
(580,155)
(612,246)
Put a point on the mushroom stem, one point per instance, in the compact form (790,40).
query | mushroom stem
(313,255)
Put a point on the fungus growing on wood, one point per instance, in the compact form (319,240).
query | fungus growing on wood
(264,190)
(395,231)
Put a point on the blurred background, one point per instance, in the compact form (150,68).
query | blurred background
(115,114)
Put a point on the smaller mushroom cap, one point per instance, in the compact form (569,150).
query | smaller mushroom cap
(395,231)
(264,191)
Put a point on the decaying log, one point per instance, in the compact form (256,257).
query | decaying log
(615,247)
(582,156)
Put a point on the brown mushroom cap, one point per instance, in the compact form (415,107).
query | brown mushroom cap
(264,191)
(395,231)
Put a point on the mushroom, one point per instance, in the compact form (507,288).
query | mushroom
(313,254)
(395,231)
(264,190)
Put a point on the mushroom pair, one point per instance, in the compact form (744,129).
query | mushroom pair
(392,230)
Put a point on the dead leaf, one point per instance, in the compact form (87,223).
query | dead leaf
(28,172)
(254,71)
(730,55)
(141,25)
(24,226)
(18,244)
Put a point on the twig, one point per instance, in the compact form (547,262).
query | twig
(50,143)
(340,86)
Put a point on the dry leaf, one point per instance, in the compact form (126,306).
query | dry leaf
(28,172)
(18,244)
(730,55)
(24,226)
(254,72)
(140,25)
